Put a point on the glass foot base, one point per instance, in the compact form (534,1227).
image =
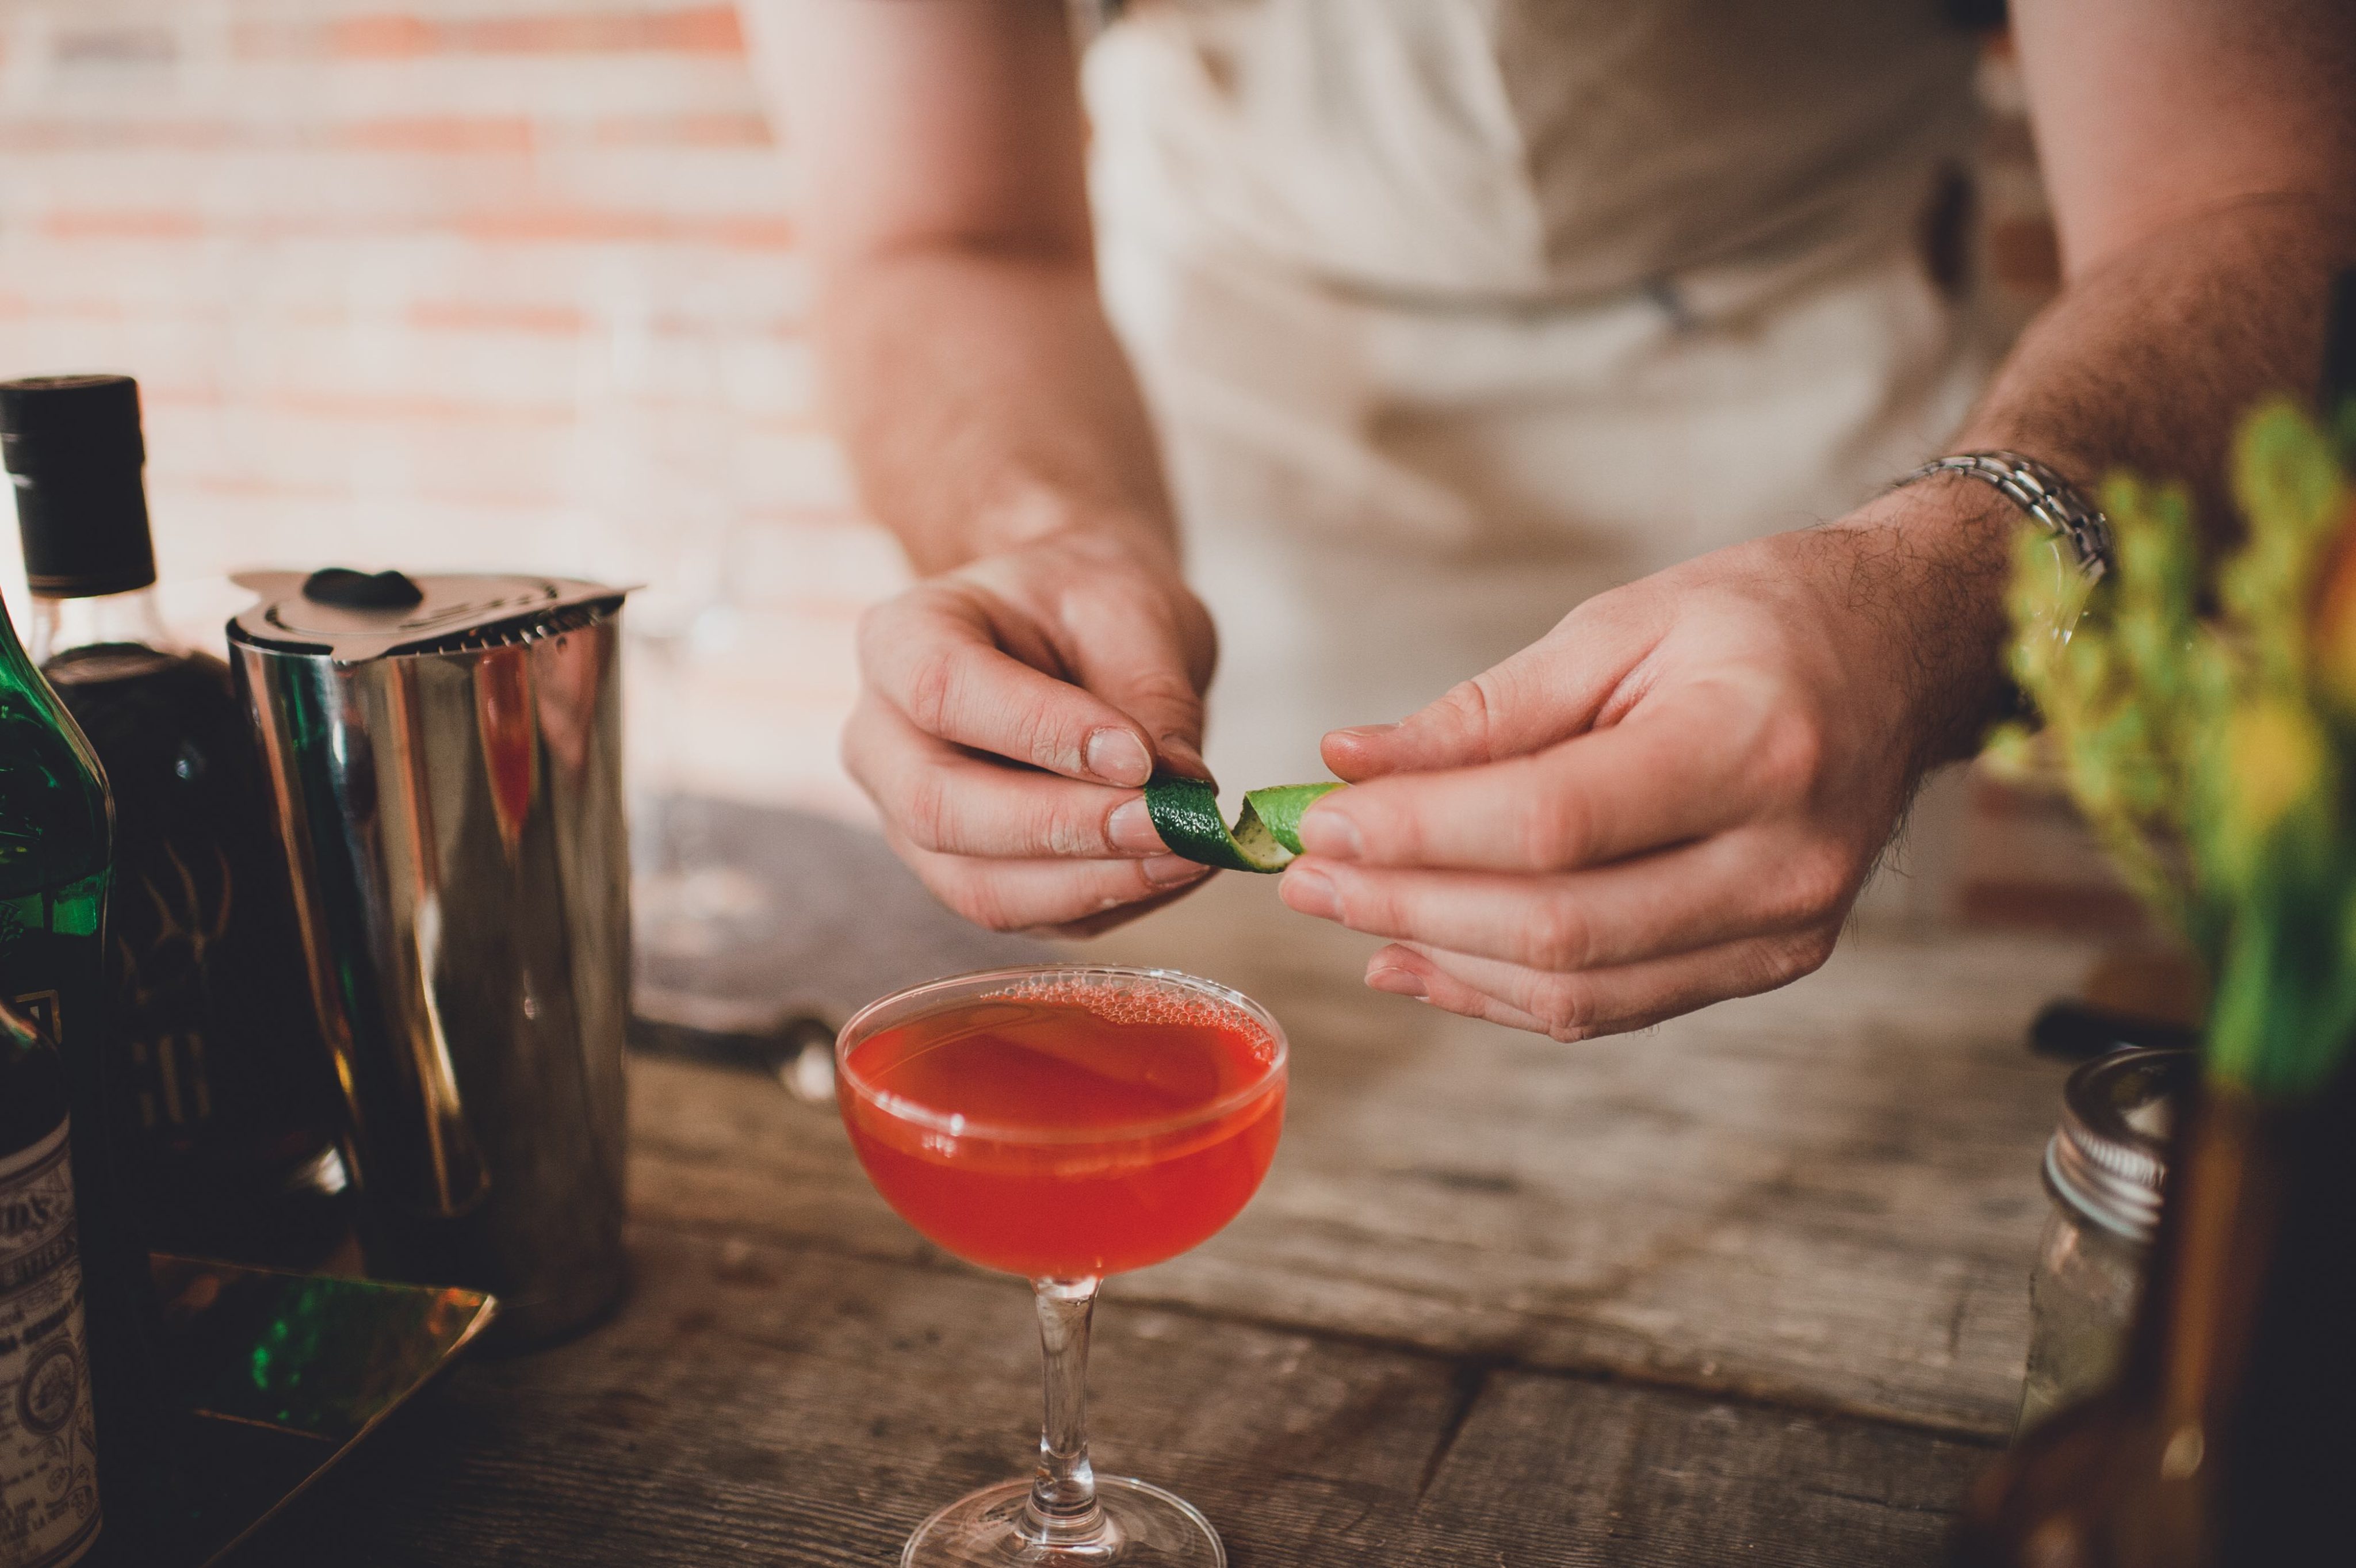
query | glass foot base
(1144,1526)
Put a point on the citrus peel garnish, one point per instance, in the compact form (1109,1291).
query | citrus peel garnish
(1267,834)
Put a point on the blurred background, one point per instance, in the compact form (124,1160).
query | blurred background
(513,284)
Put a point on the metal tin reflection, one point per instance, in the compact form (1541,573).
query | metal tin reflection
(447,775)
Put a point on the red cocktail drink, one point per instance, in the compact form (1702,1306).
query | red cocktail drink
(1065,1124)
(1059,1130)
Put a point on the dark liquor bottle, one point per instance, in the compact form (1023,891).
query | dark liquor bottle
(56,841)
(221,1109)
(50,1492)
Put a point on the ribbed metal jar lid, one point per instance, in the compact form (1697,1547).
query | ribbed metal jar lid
(2108,1159)
(354,617)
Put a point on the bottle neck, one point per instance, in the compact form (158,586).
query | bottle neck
(131,620)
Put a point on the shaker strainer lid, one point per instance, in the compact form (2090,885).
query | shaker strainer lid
(2108,1159)
(354,617)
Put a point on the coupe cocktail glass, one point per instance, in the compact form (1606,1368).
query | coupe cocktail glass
(1063,1124)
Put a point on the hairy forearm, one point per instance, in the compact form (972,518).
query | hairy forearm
(2144,363)
(2148,361)
(985,402)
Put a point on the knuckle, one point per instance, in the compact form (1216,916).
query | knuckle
(1810,952)
(932,689)
(1566,1008)
(1061,832)
(1791,753)
(1794,957)
(1039,741)
(1363,906)
(1166,689)
(1560,831)
(981,901)
(1815,885)
(1466,707)
(924,813)
(1558,937)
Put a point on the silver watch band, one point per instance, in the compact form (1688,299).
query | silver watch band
(2043,494)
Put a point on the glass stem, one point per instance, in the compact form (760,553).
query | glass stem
(1063,1508)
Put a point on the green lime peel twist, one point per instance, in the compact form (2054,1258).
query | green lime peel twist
(1265,836)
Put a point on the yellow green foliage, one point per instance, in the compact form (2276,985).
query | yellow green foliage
(2212,742)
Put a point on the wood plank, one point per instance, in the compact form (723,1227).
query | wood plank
(763,1404)
(1558,1471)
(1827,1197)
(760,1404)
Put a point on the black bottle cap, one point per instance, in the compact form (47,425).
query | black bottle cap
(71,445)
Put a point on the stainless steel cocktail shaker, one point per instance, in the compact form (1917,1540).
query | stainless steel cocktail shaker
(446,755)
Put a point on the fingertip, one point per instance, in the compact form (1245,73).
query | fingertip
(1180,755)
(1129,827)
(1360,752)
(1326,828)
(1308,889)
(1172,871)
(1390,970)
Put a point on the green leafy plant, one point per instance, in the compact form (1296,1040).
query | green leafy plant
(2210,739)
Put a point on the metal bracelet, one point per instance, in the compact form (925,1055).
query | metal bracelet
(2041,492)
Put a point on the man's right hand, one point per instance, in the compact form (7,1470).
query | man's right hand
(1010,712)
(1017,699)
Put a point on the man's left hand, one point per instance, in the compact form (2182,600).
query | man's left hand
(1675,796)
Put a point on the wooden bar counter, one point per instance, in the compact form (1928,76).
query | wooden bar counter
(1748,1288)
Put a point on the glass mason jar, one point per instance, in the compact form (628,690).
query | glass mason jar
(2104,1168)
(2224,1441)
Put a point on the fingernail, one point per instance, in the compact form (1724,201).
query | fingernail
(1309,891)
(1367,732)
(1130,827)
(1328,832)
(1398,981)
(1169,870)
(1117,757)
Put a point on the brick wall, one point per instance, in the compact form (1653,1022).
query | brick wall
(473,284)
(454,284)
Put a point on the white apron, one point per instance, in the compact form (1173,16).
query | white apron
(1455,312)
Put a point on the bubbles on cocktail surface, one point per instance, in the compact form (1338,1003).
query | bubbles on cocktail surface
(1140,999)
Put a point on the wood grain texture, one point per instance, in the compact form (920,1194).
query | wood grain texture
(759,1404)
(1557,1471)
(1750,1288)
(1827,1197)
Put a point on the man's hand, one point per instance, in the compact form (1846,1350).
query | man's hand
(1014,702)
(1011,710)
(1675,796)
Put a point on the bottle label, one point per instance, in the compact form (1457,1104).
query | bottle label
(49,1431)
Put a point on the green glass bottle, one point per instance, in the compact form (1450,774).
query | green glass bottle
(57,840)
(56,831)
(56,820)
